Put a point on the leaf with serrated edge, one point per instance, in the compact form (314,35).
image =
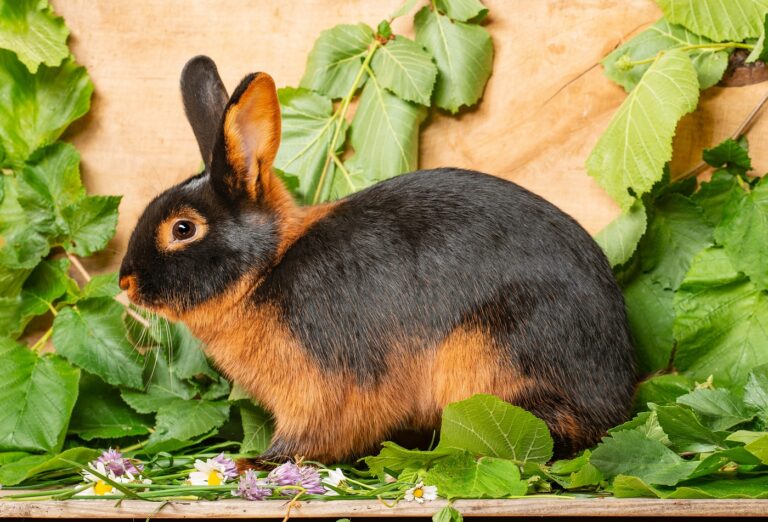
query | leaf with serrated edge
(721,321)
(719,409)
(336,59)
(719,20)
(632,152)
(463,53)
(93,336)
(663,36)
(257,428)
(486,425)
(182,420)
(33,32)
(619,239)
(406,69)
(385,132)
(91,223)
(36,399)
(461,476)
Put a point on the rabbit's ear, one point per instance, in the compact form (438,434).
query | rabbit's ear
(249,138)
(205,98)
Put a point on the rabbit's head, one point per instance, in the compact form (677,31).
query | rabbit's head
(198,237)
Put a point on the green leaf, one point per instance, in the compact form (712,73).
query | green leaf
(447,514)
(406,69)
(461,476)
(685,431)
(720,194)
(183,420)
(625,486)
(756,391)
(396,458)
(102,285)
(31,30)
(662,389)
(619,239)
(463,10)
(630,453)
(663,36)
(463,54)
(307,131)
(734,20)
(93,336)
(403,10)
(100,413)
(719,409)
(677,232)
(29,467)
(759,448)
(91,223)
(486,425)
(632,152)
(385,132)
(22,239)
(744,234)
(36,399)
(720,320)
(728,154)
(651,317)
(336,58)
(185,350)
(577,473)
(36,108)
(647,424)
(753,488)
(257,428)
(759,51)
(163,384)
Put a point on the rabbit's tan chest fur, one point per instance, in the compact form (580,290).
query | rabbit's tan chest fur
(330,412)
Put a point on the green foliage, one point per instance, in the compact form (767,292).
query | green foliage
(30,29)
(631,154)
(463,476)
(619,239)
(718,20)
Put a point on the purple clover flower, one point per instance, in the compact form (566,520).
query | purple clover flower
(228,466)
(251,487)
(289,474)
(114,462)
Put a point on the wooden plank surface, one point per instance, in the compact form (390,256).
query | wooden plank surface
(527,507)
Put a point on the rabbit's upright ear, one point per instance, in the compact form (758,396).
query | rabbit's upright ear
(249,139)
(205,99)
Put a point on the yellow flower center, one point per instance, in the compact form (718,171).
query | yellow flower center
(418,493)
(214,479)
(102,488)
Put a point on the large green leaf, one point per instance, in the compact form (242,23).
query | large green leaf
(336,59)
(462,10)
(406,69)
(36,108)
(23,239)
(756,391)
(486,425)
(677,232)
(307,131)
(619,239)
(720,194)
(29,467)
(463,53)
(91,223)
(730,154)
(33,32)
(631,453)
(163,384)
(721,321)
(462,476)
(685,431)
(100,413)
(743,233)
(184,350)
(36,399)
(663,36)
(719,20)
(257,428)
(651,317)
(396,458)
(632,152)
(93,336)
(385,132)
(181,420)
(719,409)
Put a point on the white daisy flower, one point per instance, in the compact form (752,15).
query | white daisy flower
(98,486)
(209,473)
(334,478)
(421,493)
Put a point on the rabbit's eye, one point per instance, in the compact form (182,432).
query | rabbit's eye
(183,229)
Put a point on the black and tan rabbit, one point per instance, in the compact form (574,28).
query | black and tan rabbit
(353,319)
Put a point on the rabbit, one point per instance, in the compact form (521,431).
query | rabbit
(354,319)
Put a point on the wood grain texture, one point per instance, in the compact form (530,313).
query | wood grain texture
(525,507)
(543,110)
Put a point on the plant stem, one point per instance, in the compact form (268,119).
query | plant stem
(79,267)
(40,344)
(712,47)
(341,114)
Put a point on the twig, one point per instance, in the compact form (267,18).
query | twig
(740,131)
(79,267)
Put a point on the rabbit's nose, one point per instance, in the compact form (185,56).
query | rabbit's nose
(127,283)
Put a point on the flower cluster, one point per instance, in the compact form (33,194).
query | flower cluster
(112,465)
(308,478)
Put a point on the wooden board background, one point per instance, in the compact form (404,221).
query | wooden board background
(543,110)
